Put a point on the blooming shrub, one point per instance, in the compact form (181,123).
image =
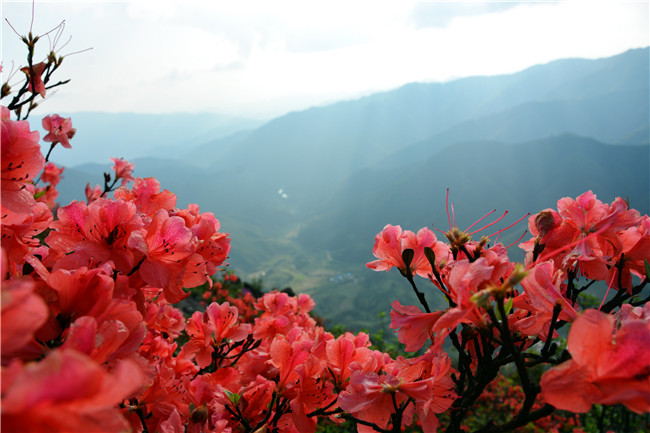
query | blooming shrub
(92,341)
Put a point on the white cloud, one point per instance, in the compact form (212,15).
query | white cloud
(442,13)
(264,58)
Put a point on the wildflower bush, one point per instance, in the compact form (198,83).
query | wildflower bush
(92,339)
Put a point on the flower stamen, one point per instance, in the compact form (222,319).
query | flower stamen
(491,224)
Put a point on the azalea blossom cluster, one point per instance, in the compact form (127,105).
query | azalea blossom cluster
(92,342)
(91,339)
(502,313)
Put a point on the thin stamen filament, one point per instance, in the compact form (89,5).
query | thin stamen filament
(518,239)
(609,286)
(511,225)
(574,243)
(481,219)
(453,215)
(491,224)
(62,23)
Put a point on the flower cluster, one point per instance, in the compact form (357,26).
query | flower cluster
(499,311)
(91,340)
(87,294)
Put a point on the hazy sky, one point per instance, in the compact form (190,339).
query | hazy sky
(265,58)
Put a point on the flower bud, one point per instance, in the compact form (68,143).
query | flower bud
(544,222)
(199,415)
(6,89)
(518,274)
(482,298)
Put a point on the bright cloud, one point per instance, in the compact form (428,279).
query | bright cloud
(260,58)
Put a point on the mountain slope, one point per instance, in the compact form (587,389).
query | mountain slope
(305,153)
(619,117)
(519,177)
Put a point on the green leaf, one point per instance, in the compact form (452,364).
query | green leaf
(508,306)
(233,396)
(647,269)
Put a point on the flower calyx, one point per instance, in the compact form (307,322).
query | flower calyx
(457,239)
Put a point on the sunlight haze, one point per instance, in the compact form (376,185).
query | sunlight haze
(263,59)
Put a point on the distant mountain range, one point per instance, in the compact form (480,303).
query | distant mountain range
(134,135)
(304,194)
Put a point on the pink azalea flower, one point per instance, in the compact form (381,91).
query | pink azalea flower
(350,353)
(93,193)
(541,294)
(207,331)
(107,338)
(23,313)
(369,396)
(200,345)
(464,280)
(276,303)
(550,233)
(123,170)
(66,391)
(52,174)
(253,403)
(96,233)
(629,312)
(224,318)
(437,366)
(173,424)
(286,357)
(391,242)
(60,130)
(81,292)
(590,215)
(597,225)
(635,251)
(19,233)
(212,246)
(166,244)
(22,160)
(584,232)
(36,84)
(608,365)
(161,317)
(415,327)
(311,393)
(147,197)
(47,195)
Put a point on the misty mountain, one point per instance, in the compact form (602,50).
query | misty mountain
(304,194)
(303,152)
(481,175)
(101,136)
(616,117)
